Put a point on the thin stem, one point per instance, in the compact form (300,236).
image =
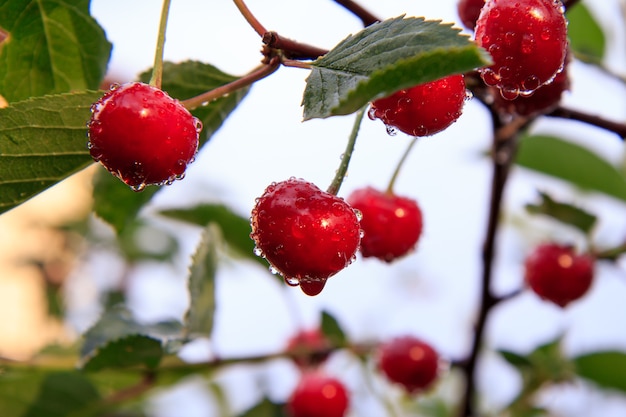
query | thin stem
(250,18)
(396,172)
(248,79)
(345,158)
(292,49)
(571,114)
(366,17)
(133,391)
(157,69)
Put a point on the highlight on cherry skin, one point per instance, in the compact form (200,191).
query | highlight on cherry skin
(410,362)
(391,224)
(527,41)
(318,395)
(307,235)
(422,110)
(557,274)
(142,135)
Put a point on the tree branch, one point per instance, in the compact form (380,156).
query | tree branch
(618,128)
(366,17)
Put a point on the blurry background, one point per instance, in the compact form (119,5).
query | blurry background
(431,293)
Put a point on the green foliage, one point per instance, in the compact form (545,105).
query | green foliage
(265,408)
(606,369)
(52,47)
(573,163)
(586,37)
(332,330)
(563,212)
(127,352)
(42,141)
(383,58)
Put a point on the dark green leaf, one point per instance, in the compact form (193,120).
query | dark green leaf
(332,330)
(563,212)
(586,37)
(191,78)
(265,408)
(62,394)
(515,359)
(42,141)
(384,58)
(127,352)
(235,228)
(606,369)
(199,318)
(572,163)
(53,46)
(116,324)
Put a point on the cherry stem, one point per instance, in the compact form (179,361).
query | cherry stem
(571,114)
(366,17)
(396,172)
(250,18)
(248,79)
(157,69)
(345,157)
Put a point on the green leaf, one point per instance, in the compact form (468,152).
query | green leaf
(199,317)
(606,369)
(116,324)
(53,46)
(332,330)
(384,58)
(586,37)
(127,352)
(42,141)
(191,78)
(563,212)
(235,228)
(573,163)
(265,408)
(515,359)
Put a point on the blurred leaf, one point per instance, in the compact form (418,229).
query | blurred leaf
(115,202)
(191,78)
(42,141)
(586,37)
(116,324)
(332,330)
(518,361)
(142,241)
(563,212)
(606,369)
(53,46)
(383,58)
(235,228)
(199,317)
(127,352)
(265,408)
(573,163)
(62,394)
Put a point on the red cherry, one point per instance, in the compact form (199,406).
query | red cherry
(557,274)
(391,224)
(527,40)
(306,234)
(318,395)
(468,11)
(422,110)
(410,362)
(305,341)
(142,135)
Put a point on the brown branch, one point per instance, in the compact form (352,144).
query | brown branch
(292,49)
(133,391)
(618,128)
(366,17)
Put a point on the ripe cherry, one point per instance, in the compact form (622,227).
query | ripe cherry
(468,11)
(557,274)
(142,135)
(391,224)
(306,341)
(307,235)
(422,110)
(527,40)
(318,395)
(410,362)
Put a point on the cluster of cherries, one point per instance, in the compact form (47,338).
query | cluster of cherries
(405,361)
(143,136)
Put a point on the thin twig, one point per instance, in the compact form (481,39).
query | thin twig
(571,114)
(292,49)
(250,18)
(366,17)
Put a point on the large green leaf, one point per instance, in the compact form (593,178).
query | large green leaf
(573,163)
(586,37)
(383,58)
(199,317)
(53,46)
(607,369)
(191,78)
(235,228)
(42,141)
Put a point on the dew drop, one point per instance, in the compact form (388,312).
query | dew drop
(114,86)
(258,252)
(509,93)
(139,187)
(468,95)
(531,83)
(391,131)
(292,281)
(528,44)
(198,123)
(358,214)
(273,270)
(490,77)
(371,113)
